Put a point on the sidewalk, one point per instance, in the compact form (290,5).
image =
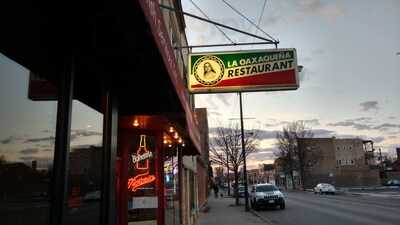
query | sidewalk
(222,212)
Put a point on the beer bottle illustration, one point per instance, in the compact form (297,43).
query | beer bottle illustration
(142,154)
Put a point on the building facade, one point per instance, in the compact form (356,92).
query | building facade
(342,162)
(98,125)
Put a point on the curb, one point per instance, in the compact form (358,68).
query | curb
(267,221)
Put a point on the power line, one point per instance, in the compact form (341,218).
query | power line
(241,14)
(204,14)
(267,41)
(262,13)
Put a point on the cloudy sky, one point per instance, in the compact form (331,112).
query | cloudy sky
(350,83)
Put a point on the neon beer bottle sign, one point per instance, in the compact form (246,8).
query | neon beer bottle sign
(141,159)
(142,163)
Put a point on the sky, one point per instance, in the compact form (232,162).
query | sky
(349,86)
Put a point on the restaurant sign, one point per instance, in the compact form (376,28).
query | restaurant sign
(256,70)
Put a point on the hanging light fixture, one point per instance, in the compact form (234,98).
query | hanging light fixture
(135,123)
(180,140)
(176,136)
(171,129)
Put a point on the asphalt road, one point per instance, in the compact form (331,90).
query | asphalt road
(304,208)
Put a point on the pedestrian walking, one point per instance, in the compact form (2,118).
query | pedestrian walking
(216,190)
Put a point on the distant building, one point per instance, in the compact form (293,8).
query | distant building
(392,171)
(342,162)
(265,173)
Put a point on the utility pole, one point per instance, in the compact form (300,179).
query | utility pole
(246,192)
(227,174)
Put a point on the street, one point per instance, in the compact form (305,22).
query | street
(306,208)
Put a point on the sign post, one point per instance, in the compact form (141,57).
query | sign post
(246,189)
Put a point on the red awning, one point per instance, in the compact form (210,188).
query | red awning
(154,17)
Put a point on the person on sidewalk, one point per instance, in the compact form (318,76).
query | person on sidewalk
(216,190)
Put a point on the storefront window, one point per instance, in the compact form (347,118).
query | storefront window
(27,134)
(142,194)
(85,163)
(171,190)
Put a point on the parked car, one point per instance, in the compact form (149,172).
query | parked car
(241,191)
(266,195)
(323,188)
(392,183)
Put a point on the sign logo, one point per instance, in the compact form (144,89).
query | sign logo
(140,181)
(209,70)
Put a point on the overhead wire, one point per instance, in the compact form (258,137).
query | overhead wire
(248,20)
(261,15)
(205,15)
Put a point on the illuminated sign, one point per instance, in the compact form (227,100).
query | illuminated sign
(256,70)
(138,158)
(142,162)
(140,180)
(142,155)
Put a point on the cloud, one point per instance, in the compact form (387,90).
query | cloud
(369,105)
(42,139)
(266,134)
(386,126)
(311,122)
(29,151)
(376,139)
(76,133)
(261,134)
(276,123)
(262,155)
(348,123)
(361,119)
(323,133)
(361,126)
(328,10)
(9,140)
(391,117)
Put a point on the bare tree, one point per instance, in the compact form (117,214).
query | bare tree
(294,153)
(226,150)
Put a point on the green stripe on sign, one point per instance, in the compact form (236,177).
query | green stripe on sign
(247,58)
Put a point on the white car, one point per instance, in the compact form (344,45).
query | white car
(266,195)
(323,188)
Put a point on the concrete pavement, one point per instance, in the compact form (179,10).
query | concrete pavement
(222,212)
